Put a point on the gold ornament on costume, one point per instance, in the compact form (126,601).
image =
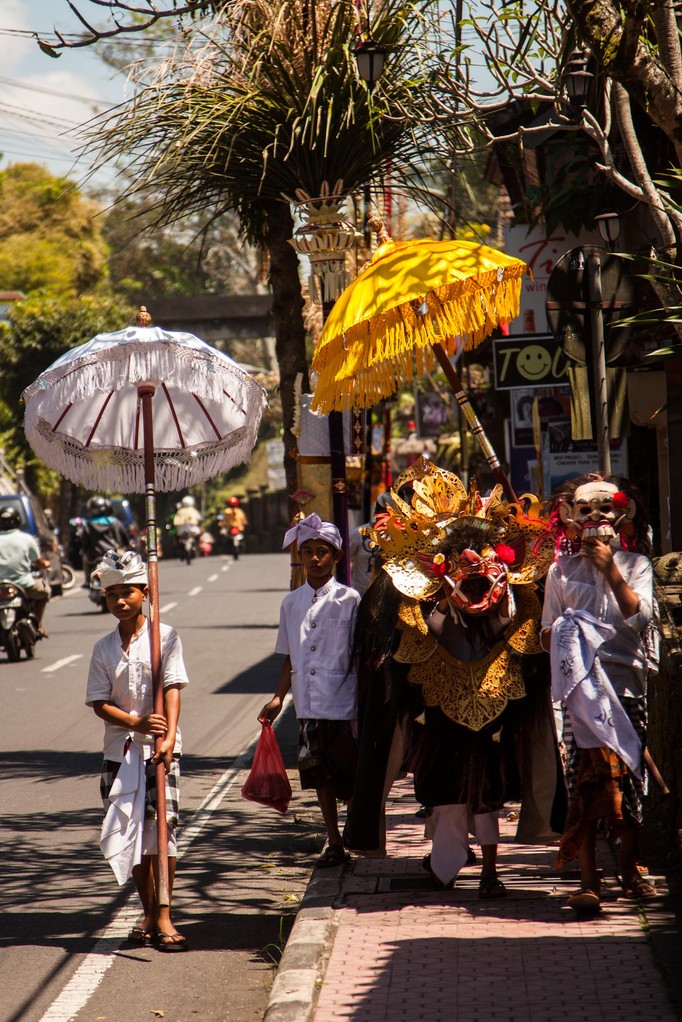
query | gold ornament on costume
(410,540)
(470,693)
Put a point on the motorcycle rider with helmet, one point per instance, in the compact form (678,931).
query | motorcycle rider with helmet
(19,558)
(101,532)
(187,519)
(233,525)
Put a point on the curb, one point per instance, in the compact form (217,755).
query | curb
(300,973)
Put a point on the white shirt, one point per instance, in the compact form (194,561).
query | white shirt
(573,583)
(316,631)
(125,679)
(18,551)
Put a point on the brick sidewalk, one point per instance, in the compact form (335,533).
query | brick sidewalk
(402,952)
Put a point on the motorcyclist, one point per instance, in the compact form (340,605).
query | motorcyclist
(188,518)
(234,516)
(101,532)
(19,558)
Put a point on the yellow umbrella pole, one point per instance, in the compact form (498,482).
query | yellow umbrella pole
(474,422)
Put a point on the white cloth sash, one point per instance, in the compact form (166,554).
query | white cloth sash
(121,837)
(579,680)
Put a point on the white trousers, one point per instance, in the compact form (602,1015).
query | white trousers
(450,836)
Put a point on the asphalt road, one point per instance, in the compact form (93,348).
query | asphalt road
(243,867)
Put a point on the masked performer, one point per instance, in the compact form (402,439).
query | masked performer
(449,647)
(597,612)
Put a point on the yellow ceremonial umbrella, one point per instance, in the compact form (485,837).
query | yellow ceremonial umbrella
(416,302)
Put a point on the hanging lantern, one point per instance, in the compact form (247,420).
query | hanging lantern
(324,237)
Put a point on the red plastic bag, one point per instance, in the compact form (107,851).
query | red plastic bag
(267,782)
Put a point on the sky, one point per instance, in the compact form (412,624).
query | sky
(43,100)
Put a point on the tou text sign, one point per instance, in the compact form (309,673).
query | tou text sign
(531,361)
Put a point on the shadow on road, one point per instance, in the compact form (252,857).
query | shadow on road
(261,677)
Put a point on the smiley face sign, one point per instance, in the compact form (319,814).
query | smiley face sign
(533,363)
(539,362)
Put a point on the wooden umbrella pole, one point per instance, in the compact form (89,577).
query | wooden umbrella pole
(146,394)
(474,422)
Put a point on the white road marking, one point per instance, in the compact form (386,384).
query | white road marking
(90,973)
(225,567)
(195,591)
(211,578)
(62,663)
(167,607)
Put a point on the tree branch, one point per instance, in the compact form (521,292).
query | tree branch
(138,19)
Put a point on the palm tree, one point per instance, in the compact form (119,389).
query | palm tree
(265,100)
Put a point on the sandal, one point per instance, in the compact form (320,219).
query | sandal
(170,942)
(138,935)
(333,855)
(585,902)
(640,888)
(491,887)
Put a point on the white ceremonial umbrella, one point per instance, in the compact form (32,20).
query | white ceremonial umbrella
(141,410)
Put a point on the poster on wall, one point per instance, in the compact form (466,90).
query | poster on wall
(565,458)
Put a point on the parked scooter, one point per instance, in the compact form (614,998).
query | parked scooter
(19,628)
(68,575)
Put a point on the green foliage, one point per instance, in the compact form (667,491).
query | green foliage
(49,237)
(40,329)
(148,262)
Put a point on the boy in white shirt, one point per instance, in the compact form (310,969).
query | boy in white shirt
(316,628)
(120,692)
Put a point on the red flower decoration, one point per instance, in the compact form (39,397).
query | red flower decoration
(620,500)
(505,553)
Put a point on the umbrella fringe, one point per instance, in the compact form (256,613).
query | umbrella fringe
(122,470)
(371,360)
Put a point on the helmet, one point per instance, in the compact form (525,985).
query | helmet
(188,501)
(233,502)
(99,506)
(9,519)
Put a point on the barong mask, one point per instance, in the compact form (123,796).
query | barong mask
(416,541)
(599,510)
(477,583)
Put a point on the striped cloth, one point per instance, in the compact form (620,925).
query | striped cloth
(109,770)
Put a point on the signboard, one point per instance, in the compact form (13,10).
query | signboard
(566,458)
(541,252)
(523,361)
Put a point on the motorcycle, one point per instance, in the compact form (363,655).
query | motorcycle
(96,593)
(68,575)
(18,624)
(236,541)
(187,542)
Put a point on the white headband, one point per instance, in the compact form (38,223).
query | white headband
(128,569)
(313,527)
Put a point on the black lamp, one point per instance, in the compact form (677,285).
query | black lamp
(369,56)
(577,79)
(609,227)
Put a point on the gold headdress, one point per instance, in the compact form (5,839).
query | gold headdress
(414,533)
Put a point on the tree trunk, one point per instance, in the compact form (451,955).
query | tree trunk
(287,314)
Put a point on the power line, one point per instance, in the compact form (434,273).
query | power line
(47,92)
